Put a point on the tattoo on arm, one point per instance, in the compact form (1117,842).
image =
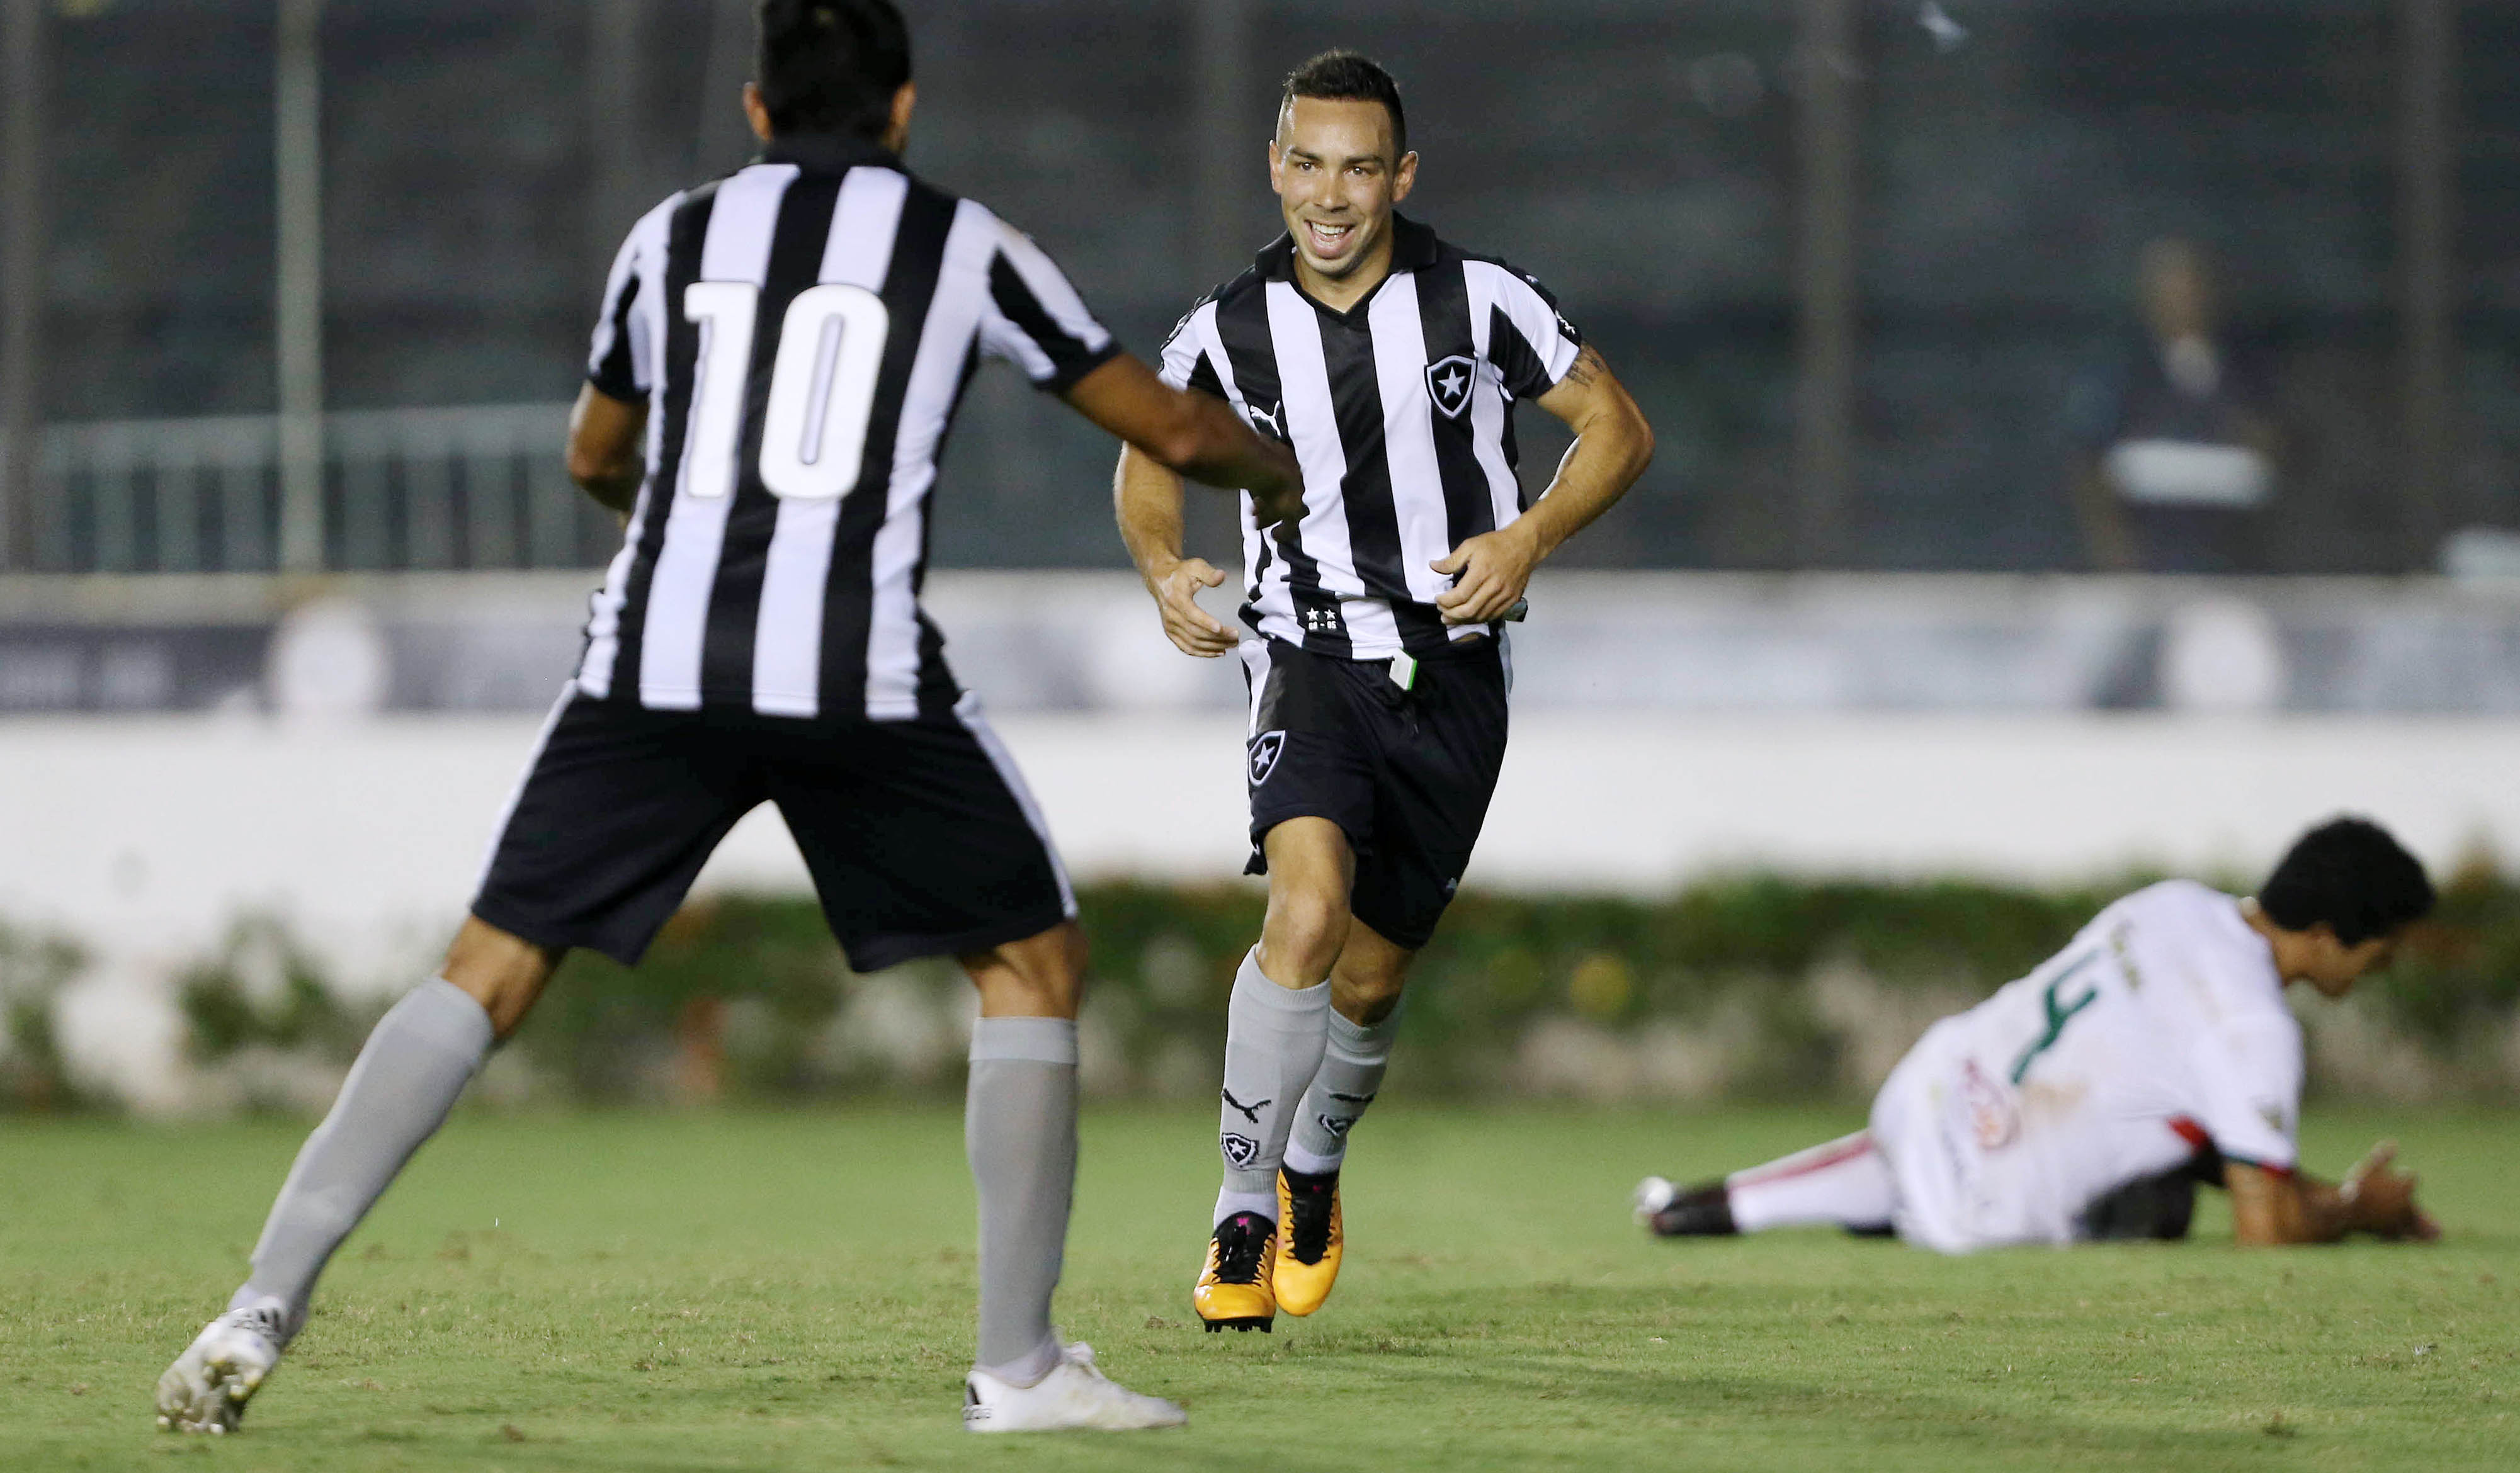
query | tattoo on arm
(1587,368)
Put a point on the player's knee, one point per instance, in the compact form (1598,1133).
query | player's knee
(1041,976)
(1304,932)
(503,972)
(1365,1000)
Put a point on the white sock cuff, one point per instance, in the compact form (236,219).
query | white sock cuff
(440,1013)
(1043,1360)
(1260,1203)
(1252,985)
(1040,1040)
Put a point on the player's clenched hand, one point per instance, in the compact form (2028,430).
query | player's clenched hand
(1191,629)
(1492,568)
(1270,508)
(2384,1198)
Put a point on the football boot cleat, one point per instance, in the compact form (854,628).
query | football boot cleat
(1235,1287)
(1309,1239)
(1701,1211)
(1074,1395)
(207,1388)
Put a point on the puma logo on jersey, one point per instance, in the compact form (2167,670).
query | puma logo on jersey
(1250,1112)
(1268,420)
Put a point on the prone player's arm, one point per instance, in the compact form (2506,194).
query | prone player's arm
(1194,434)
(604,444)
(1614,445)
(2271,1208)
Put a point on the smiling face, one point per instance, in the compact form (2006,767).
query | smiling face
(1333,166)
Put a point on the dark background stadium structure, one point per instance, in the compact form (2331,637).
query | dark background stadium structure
(1851,262)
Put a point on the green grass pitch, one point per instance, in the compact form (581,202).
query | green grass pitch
(794,1291)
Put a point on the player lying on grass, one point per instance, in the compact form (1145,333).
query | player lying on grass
(778,357)
(2089,1099)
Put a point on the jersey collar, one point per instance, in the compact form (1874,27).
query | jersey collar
(829,153)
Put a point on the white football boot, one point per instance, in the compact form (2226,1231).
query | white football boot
(1073,1395)
(207,1388)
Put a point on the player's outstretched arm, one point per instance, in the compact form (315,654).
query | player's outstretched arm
(2272,1208)
(1194,434)
(604,443)
(1146,497)
(1614,445)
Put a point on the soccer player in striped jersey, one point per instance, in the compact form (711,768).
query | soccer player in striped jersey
(778,357)
(1373,629)
(2089,1099)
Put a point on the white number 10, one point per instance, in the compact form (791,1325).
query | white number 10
(822,388)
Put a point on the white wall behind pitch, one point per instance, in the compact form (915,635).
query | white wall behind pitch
(146,837)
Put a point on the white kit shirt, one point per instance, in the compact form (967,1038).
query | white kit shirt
(2161,1027)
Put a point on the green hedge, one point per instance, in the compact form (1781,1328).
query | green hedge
(33,969)
(748,996)
(1164,961)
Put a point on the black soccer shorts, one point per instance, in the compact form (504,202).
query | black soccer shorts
(1406,774)
(921,836)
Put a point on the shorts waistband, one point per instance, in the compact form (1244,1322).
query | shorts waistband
(1452,651)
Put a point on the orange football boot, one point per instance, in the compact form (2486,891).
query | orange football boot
(1233,1288)
(1309,1239)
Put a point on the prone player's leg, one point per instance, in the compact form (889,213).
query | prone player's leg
(1844,1183)
(613,821)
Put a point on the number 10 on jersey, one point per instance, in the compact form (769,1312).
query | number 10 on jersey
(822,388)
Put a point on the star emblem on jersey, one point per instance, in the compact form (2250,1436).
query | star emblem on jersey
(1239,1149)
(1265,751)
(1448,383)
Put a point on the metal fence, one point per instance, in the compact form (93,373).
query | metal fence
(480,487)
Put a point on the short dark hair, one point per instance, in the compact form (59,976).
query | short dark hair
(2353,875)
(830,66)
(1349,76)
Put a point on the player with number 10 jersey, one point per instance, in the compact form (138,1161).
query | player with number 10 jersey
(779,355)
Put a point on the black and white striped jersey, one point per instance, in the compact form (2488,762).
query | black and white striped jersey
(801,330)
(1400,409)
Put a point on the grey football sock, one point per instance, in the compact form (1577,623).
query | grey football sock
(1350,1076)
(1020,1128)
(1273,1044)
(421,1055)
